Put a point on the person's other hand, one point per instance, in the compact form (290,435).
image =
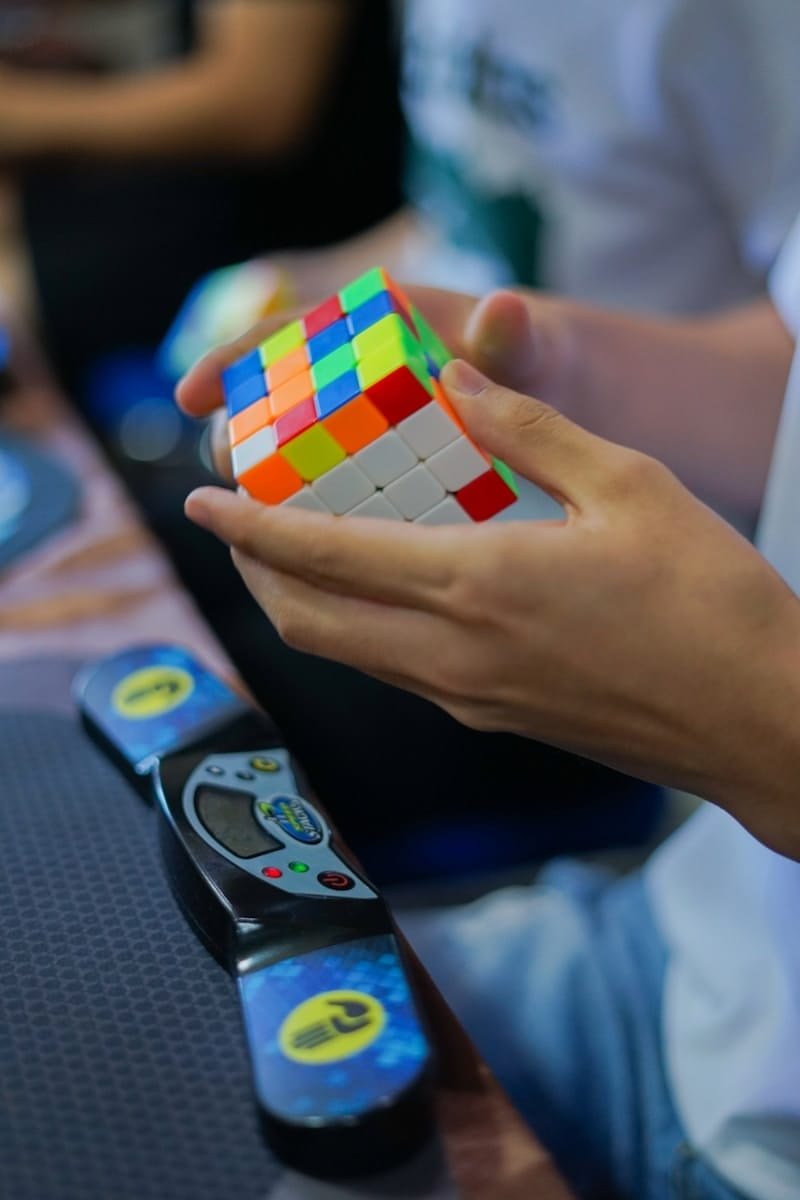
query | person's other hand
(526,342)
(640,631)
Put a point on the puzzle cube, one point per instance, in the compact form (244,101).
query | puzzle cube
(342,412)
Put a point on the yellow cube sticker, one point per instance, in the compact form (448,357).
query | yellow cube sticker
(313,453)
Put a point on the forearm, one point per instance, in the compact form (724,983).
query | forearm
(177,113)
(251,89)
(704,396)
(757,777)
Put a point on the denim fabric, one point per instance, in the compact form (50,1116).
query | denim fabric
(560,987)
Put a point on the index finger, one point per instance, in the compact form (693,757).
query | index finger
(200,392)
(375,560)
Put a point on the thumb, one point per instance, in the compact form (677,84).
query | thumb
(531,437)
(514,345)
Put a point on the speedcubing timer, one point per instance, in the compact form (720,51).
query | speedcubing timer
(341,1066)
(342,412)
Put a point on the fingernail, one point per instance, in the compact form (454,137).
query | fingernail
(501,337)
(195,505)
(463,377)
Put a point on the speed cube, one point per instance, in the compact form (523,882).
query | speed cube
(342,412)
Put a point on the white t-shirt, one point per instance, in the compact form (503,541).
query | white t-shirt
(729,910)
(638,153)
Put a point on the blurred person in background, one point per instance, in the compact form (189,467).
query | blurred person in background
(183,136)
(637,154)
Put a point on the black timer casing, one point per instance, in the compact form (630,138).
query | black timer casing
(341,1063)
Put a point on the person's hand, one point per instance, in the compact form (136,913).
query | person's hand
(640,631)
(524,341)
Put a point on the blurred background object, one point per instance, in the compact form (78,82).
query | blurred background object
(124,33)
(205,133)
(220,306)
(148,144)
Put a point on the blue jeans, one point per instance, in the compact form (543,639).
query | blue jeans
(560,987)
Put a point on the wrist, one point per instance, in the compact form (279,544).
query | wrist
(757,776)
(605,352)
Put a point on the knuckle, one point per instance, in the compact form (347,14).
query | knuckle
(320,556)
(292,632)
(291,627)
(472,717)
(460,713)
(256,578)
(635,474)
(531,418)
(455,674)
(249,539)
(471,595)
(466,601)
(467,593)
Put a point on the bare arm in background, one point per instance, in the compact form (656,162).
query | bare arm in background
(252,88)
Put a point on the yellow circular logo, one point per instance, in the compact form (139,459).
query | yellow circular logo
(331,1026)
(152,692)
(267,765)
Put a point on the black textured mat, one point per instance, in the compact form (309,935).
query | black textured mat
(123,1073)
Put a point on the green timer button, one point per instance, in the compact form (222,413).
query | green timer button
(300,868)
(268,765)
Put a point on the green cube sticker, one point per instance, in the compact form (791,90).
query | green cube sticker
(506,474)
(363,289)
(431,342)
(333,366)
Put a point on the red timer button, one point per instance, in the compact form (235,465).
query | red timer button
(272,872)
(336,881)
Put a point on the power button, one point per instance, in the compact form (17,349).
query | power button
(336,881)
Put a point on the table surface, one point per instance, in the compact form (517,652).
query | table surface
(102,585)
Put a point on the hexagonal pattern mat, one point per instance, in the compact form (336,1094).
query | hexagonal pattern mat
(124,1071)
